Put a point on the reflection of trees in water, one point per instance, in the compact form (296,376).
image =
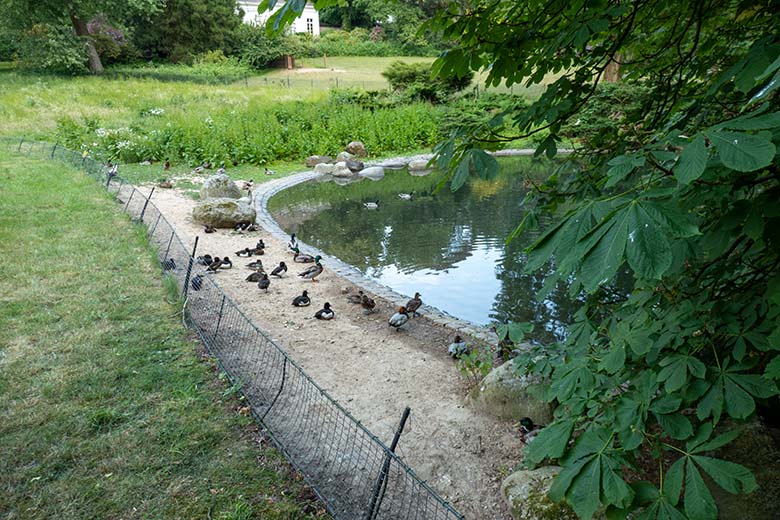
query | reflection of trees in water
(433,232)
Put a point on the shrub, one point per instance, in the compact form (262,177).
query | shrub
(52,48)
(416,81)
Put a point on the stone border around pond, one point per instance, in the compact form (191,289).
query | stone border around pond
(262,193)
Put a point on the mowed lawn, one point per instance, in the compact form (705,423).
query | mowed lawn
(106,409)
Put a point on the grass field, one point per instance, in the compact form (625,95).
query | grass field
(106,410)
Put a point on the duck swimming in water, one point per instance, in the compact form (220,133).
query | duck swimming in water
(302,300)
(326,313)
(371,205)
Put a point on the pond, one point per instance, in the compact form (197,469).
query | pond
(448,246)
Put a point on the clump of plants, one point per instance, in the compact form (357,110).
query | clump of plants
(416,82)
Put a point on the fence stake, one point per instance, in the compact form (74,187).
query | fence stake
(129,199)
(376,500)
(20,145)
(143,210)
(189,268)
(281,387)
(151,231)
(219,319)
(168,249)
(53,149)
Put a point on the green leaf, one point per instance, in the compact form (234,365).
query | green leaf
(514,331)
(648,251)
(699,504)
(614,360)
(742,152)
(717,442)
(692,162)
(676,425)
(584,493)
(754,384)
(551,442)
(601,264)
(673,481)
(614,489)
(712,402)
(460,175)
(739,404)
(734,478)
(676,369)
(485,165)
(772,370)
(753,122)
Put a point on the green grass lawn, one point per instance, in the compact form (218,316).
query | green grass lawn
(106,409)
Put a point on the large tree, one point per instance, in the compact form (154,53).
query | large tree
(682,193)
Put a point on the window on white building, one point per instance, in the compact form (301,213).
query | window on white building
(310,26)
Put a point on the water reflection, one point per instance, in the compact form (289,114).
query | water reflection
(448,246)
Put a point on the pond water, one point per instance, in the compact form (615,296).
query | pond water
(448,246)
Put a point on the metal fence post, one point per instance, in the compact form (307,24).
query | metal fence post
(219,319)
(143,210)
(170,241)
(129,199)
(189,268)
(151,230)
(376,499)
(53,149)
(281,387)
(20,145)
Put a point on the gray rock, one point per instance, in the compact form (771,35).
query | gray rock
(505,393)
(419,164)
(314,160)
(526,491)
(394,165)
(355,166)
(223,212)
(374,173)
(324,168)
(419,173)
(356,148)
(219,186)
(344,156)
(342,172)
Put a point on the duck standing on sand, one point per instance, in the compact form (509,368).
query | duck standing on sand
(326,313)
(314,271)
(355,298)
(256,276)
(302,258)
(302,300)
(293,243)
(264,283)
(414,304)
(457,348)
(398,319)
(279,270)
(368,304)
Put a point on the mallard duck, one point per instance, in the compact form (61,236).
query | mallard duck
(398,319)
(226,263)
(368,304)
(414,304)
(279,270)
(247,185)
(302,301)
(197,282)
(205,260)
(326,313)
(355,298)
(245,253)
(314,271)
(458,347)
(270,172)
(293,243)
(406,196)
(256,276)
(167,165)
(168,265)
(265,283)
(528,430)
(214,265)
(208,228)
(257,265)
(371,205)
(302,258)
(166,184)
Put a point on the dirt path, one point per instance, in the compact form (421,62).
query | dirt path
(371,369)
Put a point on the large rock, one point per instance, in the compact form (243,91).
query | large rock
(219,186)
(223,212)
(342,172)
(526,491)
(356,148)
(344,156)
(314,160)
(419,164)
(355,166)
(324,168)
(374,173)
(505,393)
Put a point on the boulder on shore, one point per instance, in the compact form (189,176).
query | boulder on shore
(356,148)
(505,393)
(526,491)
(223,212)
(374,173)
(314,160)
(344,156)
(355,166)
(325,168)
(219,186)
(419,164)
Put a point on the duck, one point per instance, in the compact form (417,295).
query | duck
(214,265)
(314,271)
(166,184)
(326,313)
(302,300)
(256,265)
(529,430)
(247,185)
(293,243)
(260,244)
(398,319)
(414,304)
(371,205)
(270,172)
(168,265)
(251,227)
(279,270)
(208,228)
(221,169)
(167,165)
(368,304)
(458,347)
(226,263)
(245,253)
(205,260)
(265,283)
(302,258)
(256,276)
(355,298)
(197,282)
(406,196)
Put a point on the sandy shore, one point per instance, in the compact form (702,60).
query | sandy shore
(371,369)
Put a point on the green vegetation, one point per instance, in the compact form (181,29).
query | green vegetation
(107,410)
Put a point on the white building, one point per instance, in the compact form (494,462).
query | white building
(308,22)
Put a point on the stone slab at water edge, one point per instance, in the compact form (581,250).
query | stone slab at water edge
(219,186)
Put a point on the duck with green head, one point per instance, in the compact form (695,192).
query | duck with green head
(314,271)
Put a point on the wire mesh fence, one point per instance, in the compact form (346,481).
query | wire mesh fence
(354,473)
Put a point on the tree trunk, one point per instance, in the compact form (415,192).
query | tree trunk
(612,72)
(95,65)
